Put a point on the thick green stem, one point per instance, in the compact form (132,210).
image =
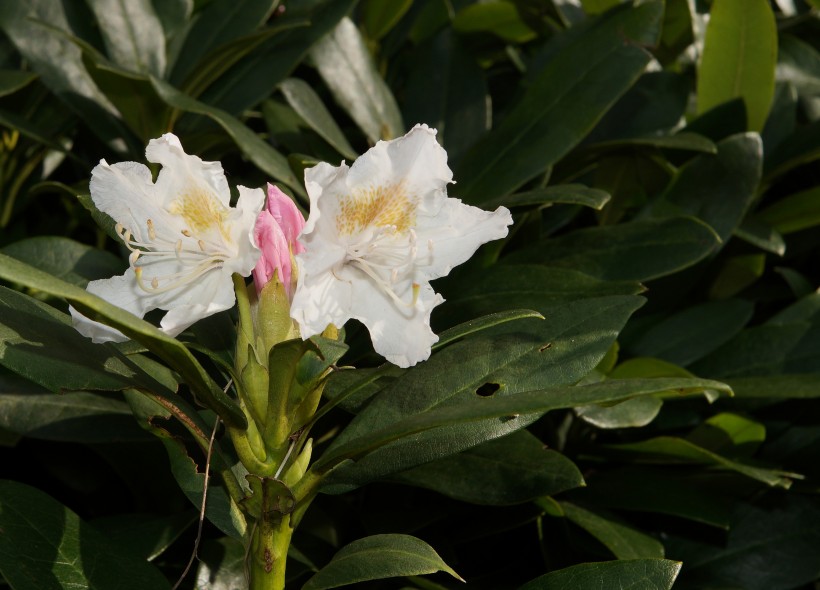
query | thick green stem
(269,552)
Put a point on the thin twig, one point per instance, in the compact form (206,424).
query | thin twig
(285,460)
(204,501)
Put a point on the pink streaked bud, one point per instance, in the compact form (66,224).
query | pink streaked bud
(277,228)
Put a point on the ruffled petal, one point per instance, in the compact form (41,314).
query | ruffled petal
(126,192)
(121,291)
(321,300)
(453,235)
(215,294)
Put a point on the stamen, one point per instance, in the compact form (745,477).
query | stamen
(201,245)
(152,234)
(186,233)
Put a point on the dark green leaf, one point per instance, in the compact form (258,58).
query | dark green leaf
(13,80)
(627,414)
(379,16)
(624,541)
(145,535)
(378,557)
(482,323)
(222,565)
(638,250)
(447,90)
(170,350)
(510,470)
(46,545)
(666,449)
(739,58)
(694,332)
(219,22)
(347,68)
(66,259)
(632,574)
(570,194)
(593,69)
(793,213)
(497,18)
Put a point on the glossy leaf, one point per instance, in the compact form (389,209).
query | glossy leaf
(510,470)
(222,565)
(593,68)
(794,213)
(348,70)
(145,535)
(631,413)
(739,57)
(66,259)
(482,323)
(624,541)
(13,80)
(132,33)
(378,557)
(515,357)
(638,250)
(168,349)
(37,529)
(304,100)
(511,408)
(629,574)
(496,18)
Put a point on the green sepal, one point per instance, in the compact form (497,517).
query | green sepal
(268,495)
(254,386)
(272,321)
(300,465)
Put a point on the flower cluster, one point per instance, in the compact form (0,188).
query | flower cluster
(378,232)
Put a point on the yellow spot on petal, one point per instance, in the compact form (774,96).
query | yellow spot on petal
(380,206)
(201,210)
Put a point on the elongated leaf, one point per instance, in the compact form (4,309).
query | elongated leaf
(793,386)
(30,26)
(447,89)
(668,448)
(46,545)
(145,535)
(627,414)
(348,70)
(624,541)
(255,149)
(510,470)
(508,359)
(593,69)
(512,408)
(693,333)
(220,21)
(794,213)
(222,565)
(256,76)
(684,493)
(169,349)
(304,100)
(70,417)
(13,80)
(378,557)
(66,259)
(570,194)
(638,250)
(132,33)
(632,574)
(688,141)
(488,321)
(379,16)
(739,58)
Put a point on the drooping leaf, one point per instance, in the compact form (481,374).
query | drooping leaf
(378,557)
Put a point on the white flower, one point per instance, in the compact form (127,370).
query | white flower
(184,237)
(378,232)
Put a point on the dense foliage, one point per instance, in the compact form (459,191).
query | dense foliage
(628,381)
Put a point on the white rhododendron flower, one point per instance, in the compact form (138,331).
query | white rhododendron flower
(184,237)
(378,232)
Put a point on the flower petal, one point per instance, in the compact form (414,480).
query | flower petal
(321,300)
(121,291)
(452,236)
(287,215)
(214,293)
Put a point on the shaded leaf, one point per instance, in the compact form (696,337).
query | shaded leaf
(624,541)
(377,557)
(631,574)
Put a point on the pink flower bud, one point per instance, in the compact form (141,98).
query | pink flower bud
(276,230)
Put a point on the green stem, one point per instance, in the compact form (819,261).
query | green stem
(269,552)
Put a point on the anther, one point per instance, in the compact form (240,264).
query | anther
(186,233)
(152,234)
(201,244)
(155,283)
